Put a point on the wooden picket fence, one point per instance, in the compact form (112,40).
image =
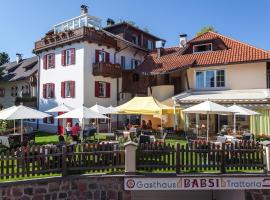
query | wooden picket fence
(201,157)
(52,160)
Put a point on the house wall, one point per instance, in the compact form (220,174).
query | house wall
(162,92)
(238,76)
(81,73)
(8,100)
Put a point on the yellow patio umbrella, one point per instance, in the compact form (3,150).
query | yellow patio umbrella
(144,106)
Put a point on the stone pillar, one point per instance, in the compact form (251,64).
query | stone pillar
(130,157)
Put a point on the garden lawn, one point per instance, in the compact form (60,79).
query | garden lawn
(46,138)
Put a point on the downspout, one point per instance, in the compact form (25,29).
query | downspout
(38,88)
(188,87)
(117,90)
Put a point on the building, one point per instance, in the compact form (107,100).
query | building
(215,67)
(19,82)
(81,64)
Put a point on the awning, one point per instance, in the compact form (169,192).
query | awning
(225,96)
(144,106)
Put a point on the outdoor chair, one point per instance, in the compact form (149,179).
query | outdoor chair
(89,132)
(247,136)
(144,139)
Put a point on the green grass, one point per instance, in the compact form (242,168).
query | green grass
(46,138)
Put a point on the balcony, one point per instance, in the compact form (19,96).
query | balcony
(26,100)
(134,83)
(53,40)
(107,70)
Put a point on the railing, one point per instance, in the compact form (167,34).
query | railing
(107,69)
(84,33)
(26,100)
(47,160)
(35,161)
(202,157)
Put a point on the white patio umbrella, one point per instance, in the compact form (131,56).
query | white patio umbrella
(82,113)
(207,108)
(101,110)
(112,110)
(21,112)
(239,110)
(61,108)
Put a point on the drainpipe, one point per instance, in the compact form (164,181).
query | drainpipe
(38,88)
(117,90)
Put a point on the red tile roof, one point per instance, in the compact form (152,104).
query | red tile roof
(174,58)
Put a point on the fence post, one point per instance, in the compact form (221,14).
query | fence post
(177,158)
(130,157)
(64,160)
(267,157)
(222,167)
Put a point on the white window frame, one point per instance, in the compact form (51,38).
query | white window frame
(150,44)
(202,45)
(102,87)
(102,56)
(133,61)
(48,91)
(49,61)
(215,79)
(136,39)
(68,57)
(67,89)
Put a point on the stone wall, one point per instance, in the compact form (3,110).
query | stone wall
(71,188)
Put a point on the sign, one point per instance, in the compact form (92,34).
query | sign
(197,183)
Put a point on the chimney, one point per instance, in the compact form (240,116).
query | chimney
(84,9)
(18,57)
(182,40)
(159,46)
(110,22)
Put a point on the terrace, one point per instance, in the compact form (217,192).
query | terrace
(56,39)
(107,69)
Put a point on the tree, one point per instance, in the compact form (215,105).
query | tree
(206,29)
(4,58)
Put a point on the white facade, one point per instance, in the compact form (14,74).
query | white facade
(81,73)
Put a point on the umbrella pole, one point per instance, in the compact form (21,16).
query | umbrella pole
(234,123)
(108,125)
(14,131)
(207,132)
(21,130)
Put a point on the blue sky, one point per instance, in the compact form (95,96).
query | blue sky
(25,21)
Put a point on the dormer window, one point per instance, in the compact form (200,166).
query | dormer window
(202,48)
(134,39)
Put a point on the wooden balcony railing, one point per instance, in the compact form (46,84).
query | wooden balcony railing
(26,100)
(107,70)
(81,34)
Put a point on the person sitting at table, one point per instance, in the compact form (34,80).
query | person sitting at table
(75,132)
(68,129)
(143,125)
(149,124)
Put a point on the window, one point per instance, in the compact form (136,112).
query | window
(150,44)
(135,39)
(102,56)
(68,89)
(14,91)
(48,90)
(48,120)
(202,48)
(210,79)
(2,92)
(135,63)
(68,57)
(268,75)
(123,62)
(102,89)
(49,61)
